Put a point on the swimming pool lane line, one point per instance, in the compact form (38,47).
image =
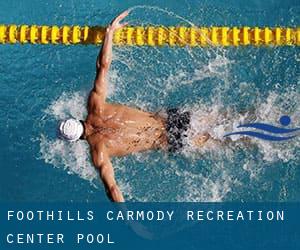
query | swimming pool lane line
(152,35)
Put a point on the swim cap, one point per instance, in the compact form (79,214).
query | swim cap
(70,129)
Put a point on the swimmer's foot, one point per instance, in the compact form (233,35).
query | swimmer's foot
(200,140)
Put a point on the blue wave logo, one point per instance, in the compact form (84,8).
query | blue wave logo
(279,133)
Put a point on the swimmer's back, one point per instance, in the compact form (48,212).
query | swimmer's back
(126,130)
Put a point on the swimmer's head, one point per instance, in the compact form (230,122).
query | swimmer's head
(70,130)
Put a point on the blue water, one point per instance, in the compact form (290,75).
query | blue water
(42,84)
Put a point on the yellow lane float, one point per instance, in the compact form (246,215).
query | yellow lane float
(152,35)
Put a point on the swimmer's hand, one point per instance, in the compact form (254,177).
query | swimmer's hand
(115,24)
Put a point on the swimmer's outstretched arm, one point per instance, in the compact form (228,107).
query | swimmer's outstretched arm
(105,56)
(103,164)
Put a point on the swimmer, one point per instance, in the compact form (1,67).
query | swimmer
(114,130)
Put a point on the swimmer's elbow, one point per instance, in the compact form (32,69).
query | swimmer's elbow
(115,194)
(105,63)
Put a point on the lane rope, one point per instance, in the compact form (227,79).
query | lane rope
(152,35)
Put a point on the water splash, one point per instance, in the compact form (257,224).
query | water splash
(192,185)
(215,85)
(74,158)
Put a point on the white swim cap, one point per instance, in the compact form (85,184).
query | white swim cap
(70,130)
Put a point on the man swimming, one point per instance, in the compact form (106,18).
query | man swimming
(117,130)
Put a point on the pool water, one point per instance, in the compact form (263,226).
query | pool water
(43,84)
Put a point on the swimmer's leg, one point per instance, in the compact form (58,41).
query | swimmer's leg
(200,140)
